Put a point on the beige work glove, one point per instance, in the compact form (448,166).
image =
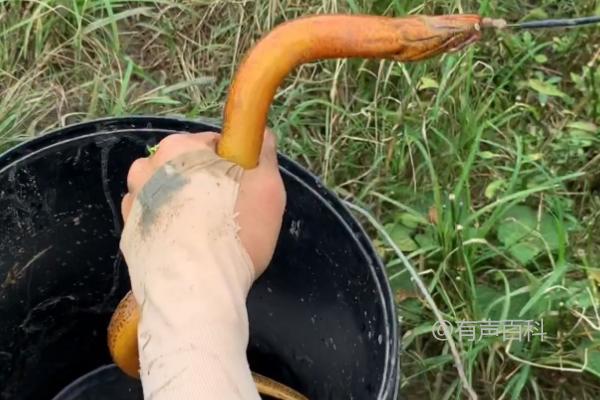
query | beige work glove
(198,231)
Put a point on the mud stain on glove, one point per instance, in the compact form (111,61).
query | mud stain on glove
(172,177)
(161,187)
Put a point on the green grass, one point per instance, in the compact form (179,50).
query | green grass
(483,166)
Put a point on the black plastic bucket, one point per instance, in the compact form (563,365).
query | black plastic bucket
(322,317)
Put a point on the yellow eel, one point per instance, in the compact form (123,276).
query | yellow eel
(290,44)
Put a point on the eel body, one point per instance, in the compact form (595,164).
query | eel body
(290,44)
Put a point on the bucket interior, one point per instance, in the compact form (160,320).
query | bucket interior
(321,318)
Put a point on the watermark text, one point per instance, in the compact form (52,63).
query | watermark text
(473,331)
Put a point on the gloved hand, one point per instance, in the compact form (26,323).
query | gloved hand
(261,198)
(198,231)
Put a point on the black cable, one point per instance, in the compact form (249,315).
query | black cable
(556,23)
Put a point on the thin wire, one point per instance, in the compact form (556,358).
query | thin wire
(556,23)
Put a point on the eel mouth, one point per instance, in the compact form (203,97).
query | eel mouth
(463,42)
(460,31)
